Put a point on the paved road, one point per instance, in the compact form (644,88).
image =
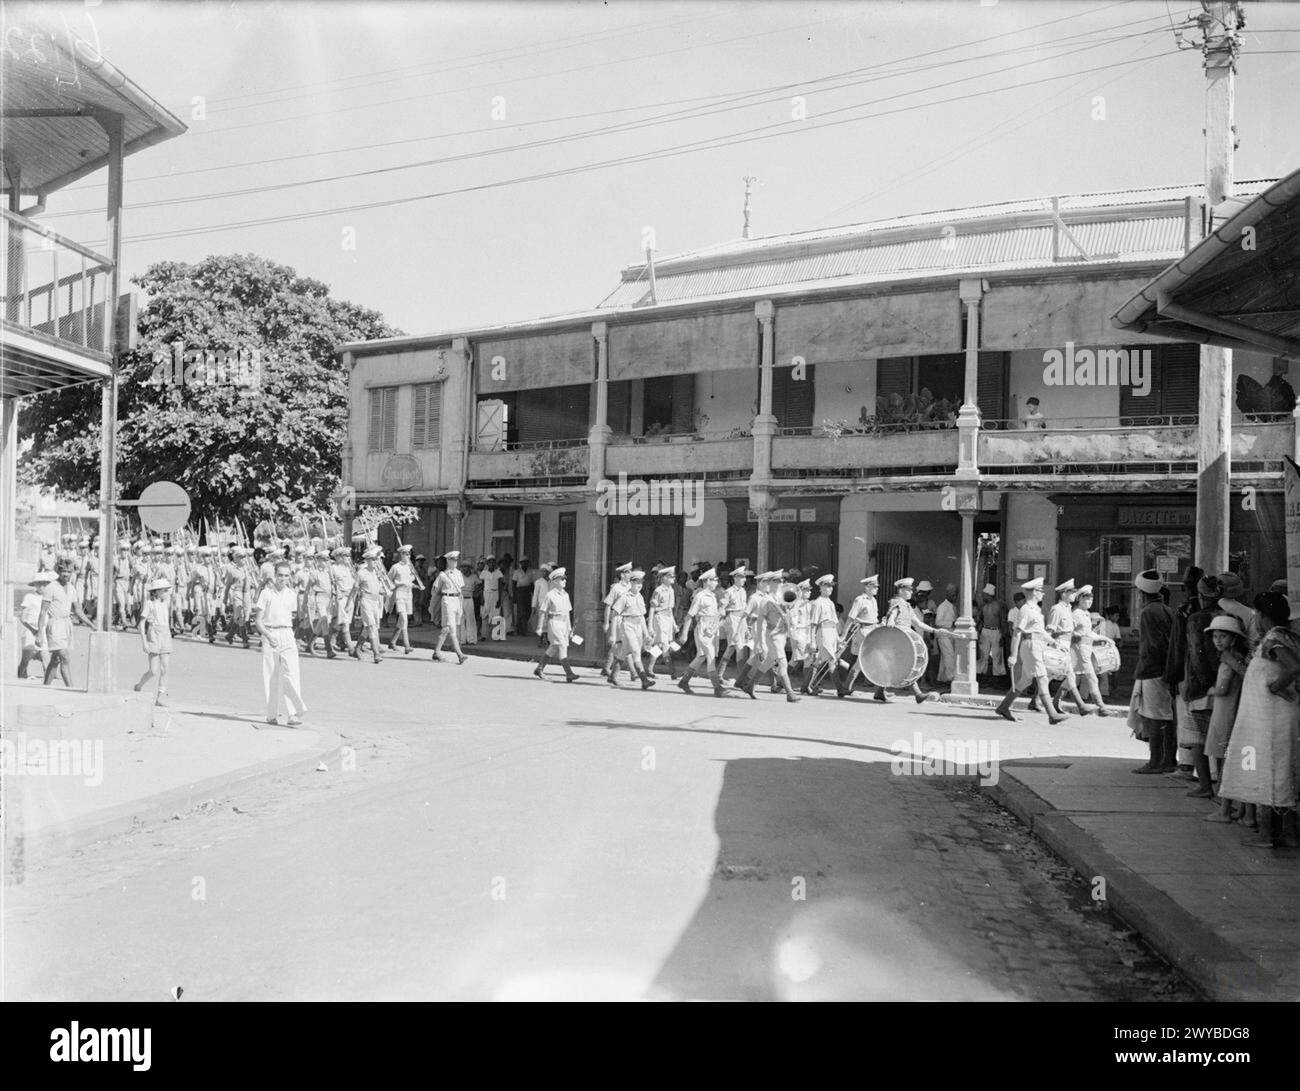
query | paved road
(502,837)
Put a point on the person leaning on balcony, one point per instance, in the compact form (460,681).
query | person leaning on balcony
(1151,708)
(1026,663)
(989,660)
(1031,416)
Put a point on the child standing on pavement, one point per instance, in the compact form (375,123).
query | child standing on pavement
(1230,639)
(156,637)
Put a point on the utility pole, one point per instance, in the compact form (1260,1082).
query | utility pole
(749,188)
(1220,21)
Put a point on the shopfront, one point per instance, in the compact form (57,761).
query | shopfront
(803,533)
(1107,540)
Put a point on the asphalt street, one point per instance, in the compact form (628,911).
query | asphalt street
(500,837)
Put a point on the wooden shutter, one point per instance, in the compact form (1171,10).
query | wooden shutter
(894,376)
(683,398)
(383,419)
(1180,379)
(619,406)
(419,413)
(792,399)
(374,438)
(390,418)
(991,392)
(433,419)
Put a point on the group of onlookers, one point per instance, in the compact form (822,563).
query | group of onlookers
(1216,679)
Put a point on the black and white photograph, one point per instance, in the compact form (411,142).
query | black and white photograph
(581,501)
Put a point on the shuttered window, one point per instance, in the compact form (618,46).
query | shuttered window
(1175,383)
(383,419)
(426,415)
(792,399)
(894,376)
(991,385)
(619,406)
(554,413)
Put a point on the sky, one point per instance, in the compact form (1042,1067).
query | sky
(842,113)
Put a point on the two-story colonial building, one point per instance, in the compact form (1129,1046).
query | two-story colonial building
(813,385)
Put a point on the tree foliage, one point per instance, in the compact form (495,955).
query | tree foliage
(272,449)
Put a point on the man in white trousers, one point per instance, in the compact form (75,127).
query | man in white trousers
(274,616)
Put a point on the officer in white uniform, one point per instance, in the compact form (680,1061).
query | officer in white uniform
(555,622)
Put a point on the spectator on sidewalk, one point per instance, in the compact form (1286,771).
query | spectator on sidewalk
(1109,628)
(1229,637)
(29,617)
(156,638)
(1201,668)
(273,616)
(1259,765)
(1151,708)
(541,588)
(522,588)
(59,606)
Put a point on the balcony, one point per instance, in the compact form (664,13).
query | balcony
(914,449)
(1125,447)
(688,454)
(53,309)
(559,463)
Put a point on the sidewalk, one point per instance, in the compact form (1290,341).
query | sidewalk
(80,767)
(1226,915)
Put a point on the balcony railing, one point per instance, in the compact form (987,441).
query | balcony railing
(556,459)
(719,453)
(54,286)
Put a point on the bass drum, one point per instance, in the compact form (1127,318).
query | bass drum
(892,656)
(1105,656)
(1057,662)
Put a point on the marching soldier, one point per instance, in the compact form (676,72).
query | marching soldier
(629,618)
(900,613)
(826,635)
(405,581)
(663,603)
(368,599)
(735,629)
(178,579)
(1060,630)
(616,591)
(139,577)
(342,603)
(770,621)
(1026,658)
(1081,647)
(704,613)
(799,625)
(865,615)
(200,592)
(450,583)
(122,584)
(555,622)
(320,590)
(237,593)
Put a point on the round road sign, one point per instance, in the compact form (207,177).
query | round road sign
(164,507)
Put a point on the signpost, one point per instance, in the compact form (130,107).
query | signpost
(164,507)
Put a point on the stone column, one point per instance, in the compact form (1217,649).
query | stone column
(964,682)
(764,429)
(589,581)
(457,509)
(600,433)
(968,417)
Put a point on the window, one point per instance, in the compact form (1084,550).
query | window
(1173,385)
(383,419)
(426,415)
(792,399)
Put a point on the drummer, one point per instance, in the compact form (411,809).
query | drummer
(1081,647)
(826,636)
(1025,660)
(865,613)
(1060,628)
(900,613)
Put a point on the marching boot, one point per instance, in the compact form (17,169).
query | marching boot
(684,682)
(541,665)
(1004,706)
(745,683)
(612,677)
(329,650)
(646,680)
(843,689)
(881,696)
(570,675)
(719,690)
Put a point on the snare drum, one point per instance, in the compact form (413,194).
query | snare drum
(1057,662)
(892,656)
(1105,656)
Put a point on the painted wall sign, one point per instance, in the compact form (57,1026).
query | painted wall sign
(401,472)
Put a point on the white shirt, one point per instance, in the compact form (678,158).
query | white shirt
(276,607)
(541,588)
(946,616)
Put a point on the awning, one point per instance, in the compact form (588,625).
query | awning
(1238,288)
(51,90)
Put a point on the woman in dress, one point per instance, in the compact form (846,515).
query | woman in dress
(156,637)
(1259,763)
(1229,637)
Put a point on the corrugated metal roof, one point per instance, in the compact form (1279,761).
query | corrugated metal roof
(1150,237)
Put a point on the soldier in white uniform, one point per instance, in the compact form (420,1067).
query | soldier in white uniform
(799,625)
(343,579)
(662,626)
(825,625)
(1081,648)
(705,615)
(405,581)
(630,619)
(1060,631)
(368,598)
(450,583)
(200,593)
(900,613)
(769,621)
(735,629)
(616,591)
(1025,660)
(555,622)
(865,614)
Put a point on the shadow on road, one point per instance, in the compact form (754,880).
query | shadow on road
(614,725)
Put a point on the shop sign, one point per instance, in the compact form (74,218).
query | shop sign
(1166,564)
(780,515)
(807,515)
(1121,566)
(1031,547)
(1157,517)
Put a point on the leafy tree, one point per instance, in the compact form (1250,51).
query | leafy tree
(264,444)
